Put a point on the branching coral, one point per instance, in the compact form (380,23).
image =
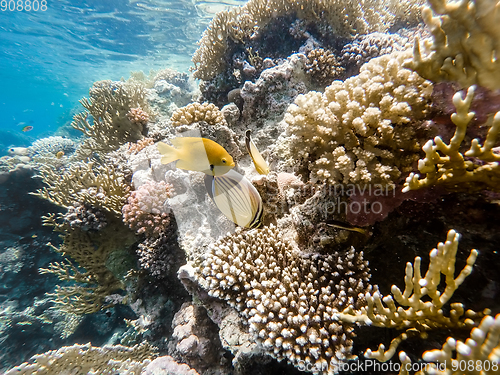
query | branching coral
(339,18)
(415,314)
(323,65)
(92,252)
(359,130)
(87,359)
(195,112)
(147,210)
(114,109)
(445,164)
(466,41)
(99,186)
(479,354)
(289,301)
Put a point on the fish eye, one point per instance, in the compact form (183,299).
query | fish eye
(224,161)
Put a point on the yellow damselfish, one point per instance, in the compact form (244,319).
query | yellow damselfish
(259,162)
(197,154)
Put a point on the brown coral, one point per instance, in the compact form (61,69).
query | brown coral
(323,65)
(138,116)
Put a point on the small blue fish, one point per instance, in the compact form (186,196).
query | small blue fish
(236,197)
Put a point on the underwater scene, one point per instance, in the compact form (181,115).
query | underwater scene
(250,187)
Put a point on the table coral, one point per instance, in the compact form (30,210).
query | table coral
(465,43)
(289,300)
(359,130)
(476,169)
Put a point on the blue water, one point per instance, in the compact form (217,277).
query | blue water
(49,59)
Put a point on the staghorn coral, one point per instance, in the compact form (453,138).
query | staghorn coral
(465,41)
(51,146)
(416,314)
(196,112)
(243,25)
(92,252)
(88,359)
(109,105)
(98,186)
(359,130)
(479,354)
(288,300)
(147,210)
(452,168)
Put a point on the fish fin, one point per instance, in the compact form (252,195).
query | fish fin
(209,185)
(169,154)
(259,162)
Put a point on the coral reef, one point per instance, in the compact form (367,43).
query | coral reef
(359,130)
(465,39)
(479,171)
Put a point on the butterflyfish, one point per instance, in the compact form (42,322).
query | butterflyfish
(236,197)
(197,154)
(259,162)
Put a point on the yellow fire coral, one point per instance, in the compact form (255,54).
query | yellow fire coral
(415,314)
(465,45)
(444,164)
(359,130)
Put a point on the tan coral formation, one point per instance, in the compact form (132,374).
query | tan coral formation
(359,130)
(100,186)
(88,359)
(444,164)
(465,43)
(196,112)
(289,300)
(96,281)
(343,18)
(109,106)
(478,355)
(419,308)
(323,65)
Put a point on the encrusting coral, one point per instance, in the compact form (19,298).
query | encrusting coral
(289,300)
(415,314)
(359,130)
(444,164)
(196,112)
(465,42)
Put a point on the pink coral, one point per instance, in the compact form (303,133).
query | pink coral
(147,210)
(138,116)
